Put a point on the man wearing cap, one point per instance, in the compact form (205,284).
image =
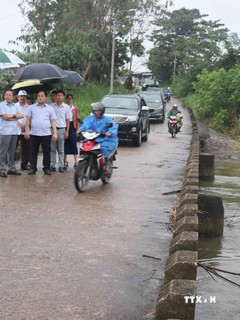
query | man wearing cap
(10,113)
(24,143)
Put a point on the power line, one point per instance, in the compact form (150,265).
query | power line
(9,16)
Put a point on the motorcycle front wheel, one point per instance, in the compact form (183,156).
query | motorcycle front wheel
(106,177)
(82,175)
(173,132)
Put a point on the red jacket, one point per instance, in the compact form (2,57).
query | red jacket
(75,117)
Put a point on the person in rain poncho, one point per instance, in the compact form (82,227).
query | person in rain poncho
(98,122)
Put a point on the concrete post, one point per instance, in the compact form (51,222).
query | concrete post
(206,166)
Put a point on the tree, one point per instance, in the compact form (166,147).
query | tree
(219,98)
(77,34)
(185,43)
(231,56)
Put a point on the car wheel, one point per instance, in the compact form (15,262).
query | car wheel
(145,138)
(138,140)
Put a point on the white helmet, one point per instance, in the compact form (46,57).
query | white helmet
(98,106)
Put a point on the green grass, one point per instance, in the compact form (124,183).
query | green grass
(190,101)
(88,93)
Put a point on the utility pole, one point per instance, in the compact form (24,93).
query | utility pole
(113,56)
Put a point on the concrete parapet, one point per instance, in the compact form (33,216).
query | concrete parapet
(186,240)
(188,198)
(181,264)
(189,190)
(211,215)
(206,166)
(188,223)
(191,182)
(187,210)
(192,174)
(192,170)
(171,302)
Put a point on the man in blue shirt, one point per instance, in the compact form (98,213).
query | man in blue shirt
(9,114)
(42,118)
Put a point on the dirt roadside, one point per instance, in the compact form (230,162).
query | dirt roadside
(222,146)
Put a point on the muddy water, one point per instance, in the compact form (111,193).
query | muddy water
(222,298)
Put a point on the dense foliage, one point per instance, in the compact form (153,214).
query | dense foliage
(187,48)
(77,35)
(185,44)
(219,99)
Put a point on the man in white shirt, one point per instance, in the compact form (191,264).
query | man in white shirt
(63,120)
(24,144)
(10,113)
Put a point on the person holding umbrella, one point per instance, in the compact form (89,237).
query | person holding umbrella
(10,113)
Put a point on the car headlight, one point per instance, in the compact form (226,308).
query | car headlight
(131,118)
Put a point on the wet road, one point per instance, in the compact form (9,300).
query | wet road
(66,255)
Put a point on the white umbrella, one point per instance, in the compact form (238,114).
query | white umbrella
(10,60)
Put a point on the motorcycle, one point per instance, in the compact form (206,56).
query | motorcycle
(167,97)
(91,163)
(174,124)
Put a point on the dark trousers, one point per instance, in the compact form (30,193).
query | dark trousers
(25,150)
(35,142)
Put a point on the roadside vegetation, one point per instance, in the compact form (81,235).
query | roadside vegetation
(198,57)
(88,93)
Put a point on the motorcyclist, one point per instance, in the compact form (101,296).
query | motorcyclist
(174,112)
(97,121)
(168,94)
(168,91)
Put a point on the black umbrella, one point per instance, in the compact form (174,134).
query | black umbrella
(45,72)
(73,78)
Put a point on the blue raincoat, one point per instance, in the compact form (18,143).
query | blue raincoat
(107,144)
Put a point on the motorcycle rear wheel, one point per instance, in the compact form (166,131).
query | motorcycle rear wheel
(107,177)
(82,175)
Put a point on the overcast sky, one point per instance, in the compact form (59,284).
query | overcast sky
(227,11)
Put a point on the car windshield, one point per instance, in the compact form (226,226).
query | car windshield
(120,103)
(151,97)
(149,81)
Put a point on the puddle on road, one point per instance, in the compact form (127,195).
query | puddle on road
(222,252)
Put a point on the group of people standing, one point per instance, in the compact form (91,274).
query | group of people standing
(53,126)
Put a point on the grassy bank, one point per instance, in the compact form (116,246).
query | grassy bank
(87,93)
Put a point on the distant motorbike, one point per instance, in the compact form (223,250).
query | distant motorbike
(91,164)
(167,97)
(174,124)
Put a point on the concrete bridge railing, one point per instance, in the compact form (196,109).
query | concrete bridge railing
(181,265)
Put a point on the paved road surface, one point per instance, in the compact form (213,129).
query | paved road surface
(66,255)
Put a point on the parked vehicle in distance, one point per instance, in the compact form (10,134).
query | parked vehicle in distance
(156,104)
(149,83)
(131,113)
(160,90)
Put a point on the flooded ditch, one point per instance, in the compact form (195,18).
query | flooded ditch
(219,298)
